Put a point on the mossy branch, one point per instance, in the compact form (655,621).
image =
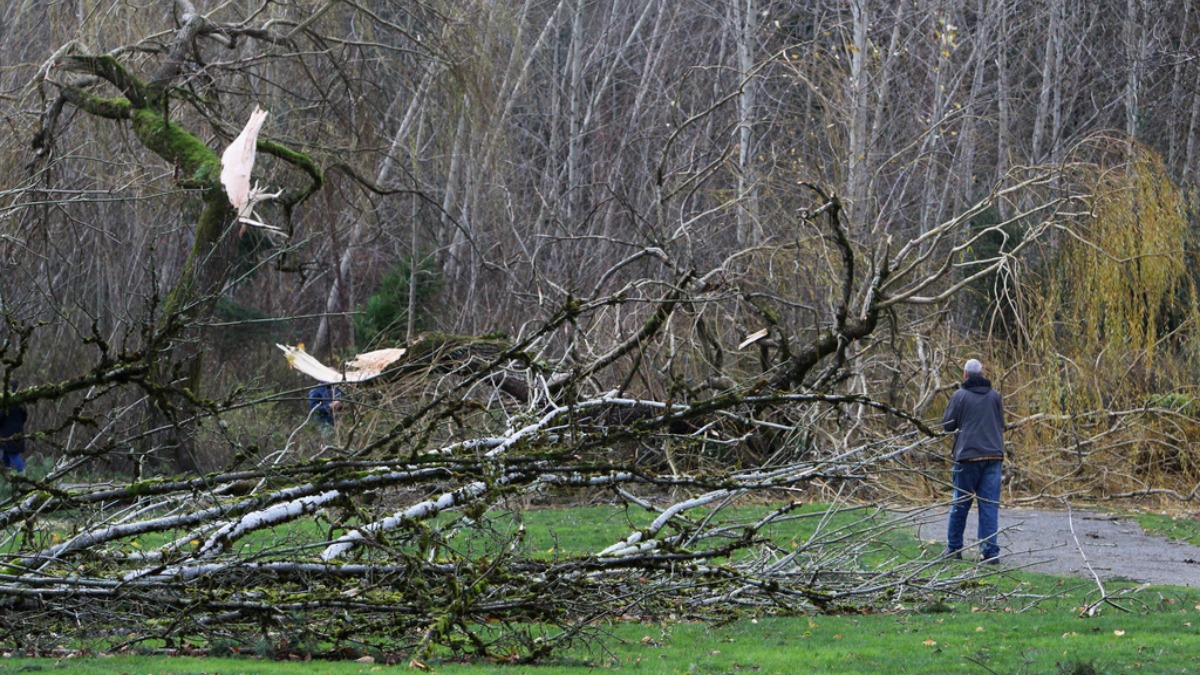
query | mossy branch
(110,69)
(108,108)
(300,160)
(197,162)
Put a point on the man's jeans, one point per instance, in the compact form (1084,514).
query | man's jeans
(979,481)
(14,461)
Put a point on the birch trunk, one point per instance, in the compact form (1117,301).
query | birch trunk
(857,145)
(1003,100)
(746,21)
(1051,47)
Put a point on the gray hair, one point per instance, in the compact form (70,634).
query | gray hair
(973,367)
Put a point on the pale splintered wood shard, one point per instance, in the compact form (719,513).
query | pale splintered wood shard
(237,165)
(361,368)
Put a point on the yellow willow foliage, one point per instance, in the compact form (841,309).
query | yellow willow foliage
(1125,265)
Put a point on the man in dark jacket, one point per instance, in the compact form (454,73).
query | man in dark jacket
(324,402)
(12,423)
(976,413)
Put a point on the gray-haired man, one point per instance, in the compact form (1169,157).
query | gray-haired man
(977,414)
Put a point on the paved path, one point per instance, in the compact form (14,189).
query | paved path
(1068,542)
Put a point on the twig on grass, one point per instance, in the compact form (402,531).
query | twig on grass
(1092,608)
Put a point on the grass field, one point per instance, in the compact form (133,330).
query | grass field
(1160,635)
(1032,625)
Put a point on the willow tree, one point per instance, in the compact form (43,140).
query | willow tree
(1113,333)
(1122,266)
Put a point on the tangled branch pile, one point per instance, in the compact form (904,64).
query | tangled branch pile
(405,531)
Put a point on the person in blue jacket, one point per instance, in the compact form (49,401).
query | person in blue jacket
(976,415)
(12,423)
(324,402)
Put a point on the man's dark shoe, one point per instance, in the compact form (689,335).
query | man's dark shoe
(952,555)
(993,559)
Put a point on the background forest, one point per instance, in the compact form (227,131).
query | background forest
(749,232)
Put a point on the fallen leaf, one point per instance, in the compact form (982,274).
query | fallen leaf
(929,642)
(979,629)
(1118,632)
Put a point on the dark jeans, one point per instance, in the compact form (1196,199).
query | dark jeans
(978,481)
(13,460)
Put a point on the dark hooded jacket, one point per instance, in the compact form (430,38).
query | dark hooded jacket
(320,402)
(12,423)
(977,414)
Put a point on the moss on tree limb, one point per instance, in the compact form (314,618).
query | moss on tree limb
(147,106)
(299,160)
(110,108)
(111,70)
(195,160)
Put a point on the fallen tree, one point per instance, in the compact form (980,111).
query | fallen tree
(404,532)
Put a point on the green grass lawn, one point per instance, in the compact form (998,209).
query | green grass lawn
(1033,624)
(1179,528)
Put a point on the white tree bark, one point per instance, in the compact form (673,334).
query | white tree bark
(745,13)
(1051,57)
(858,162)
